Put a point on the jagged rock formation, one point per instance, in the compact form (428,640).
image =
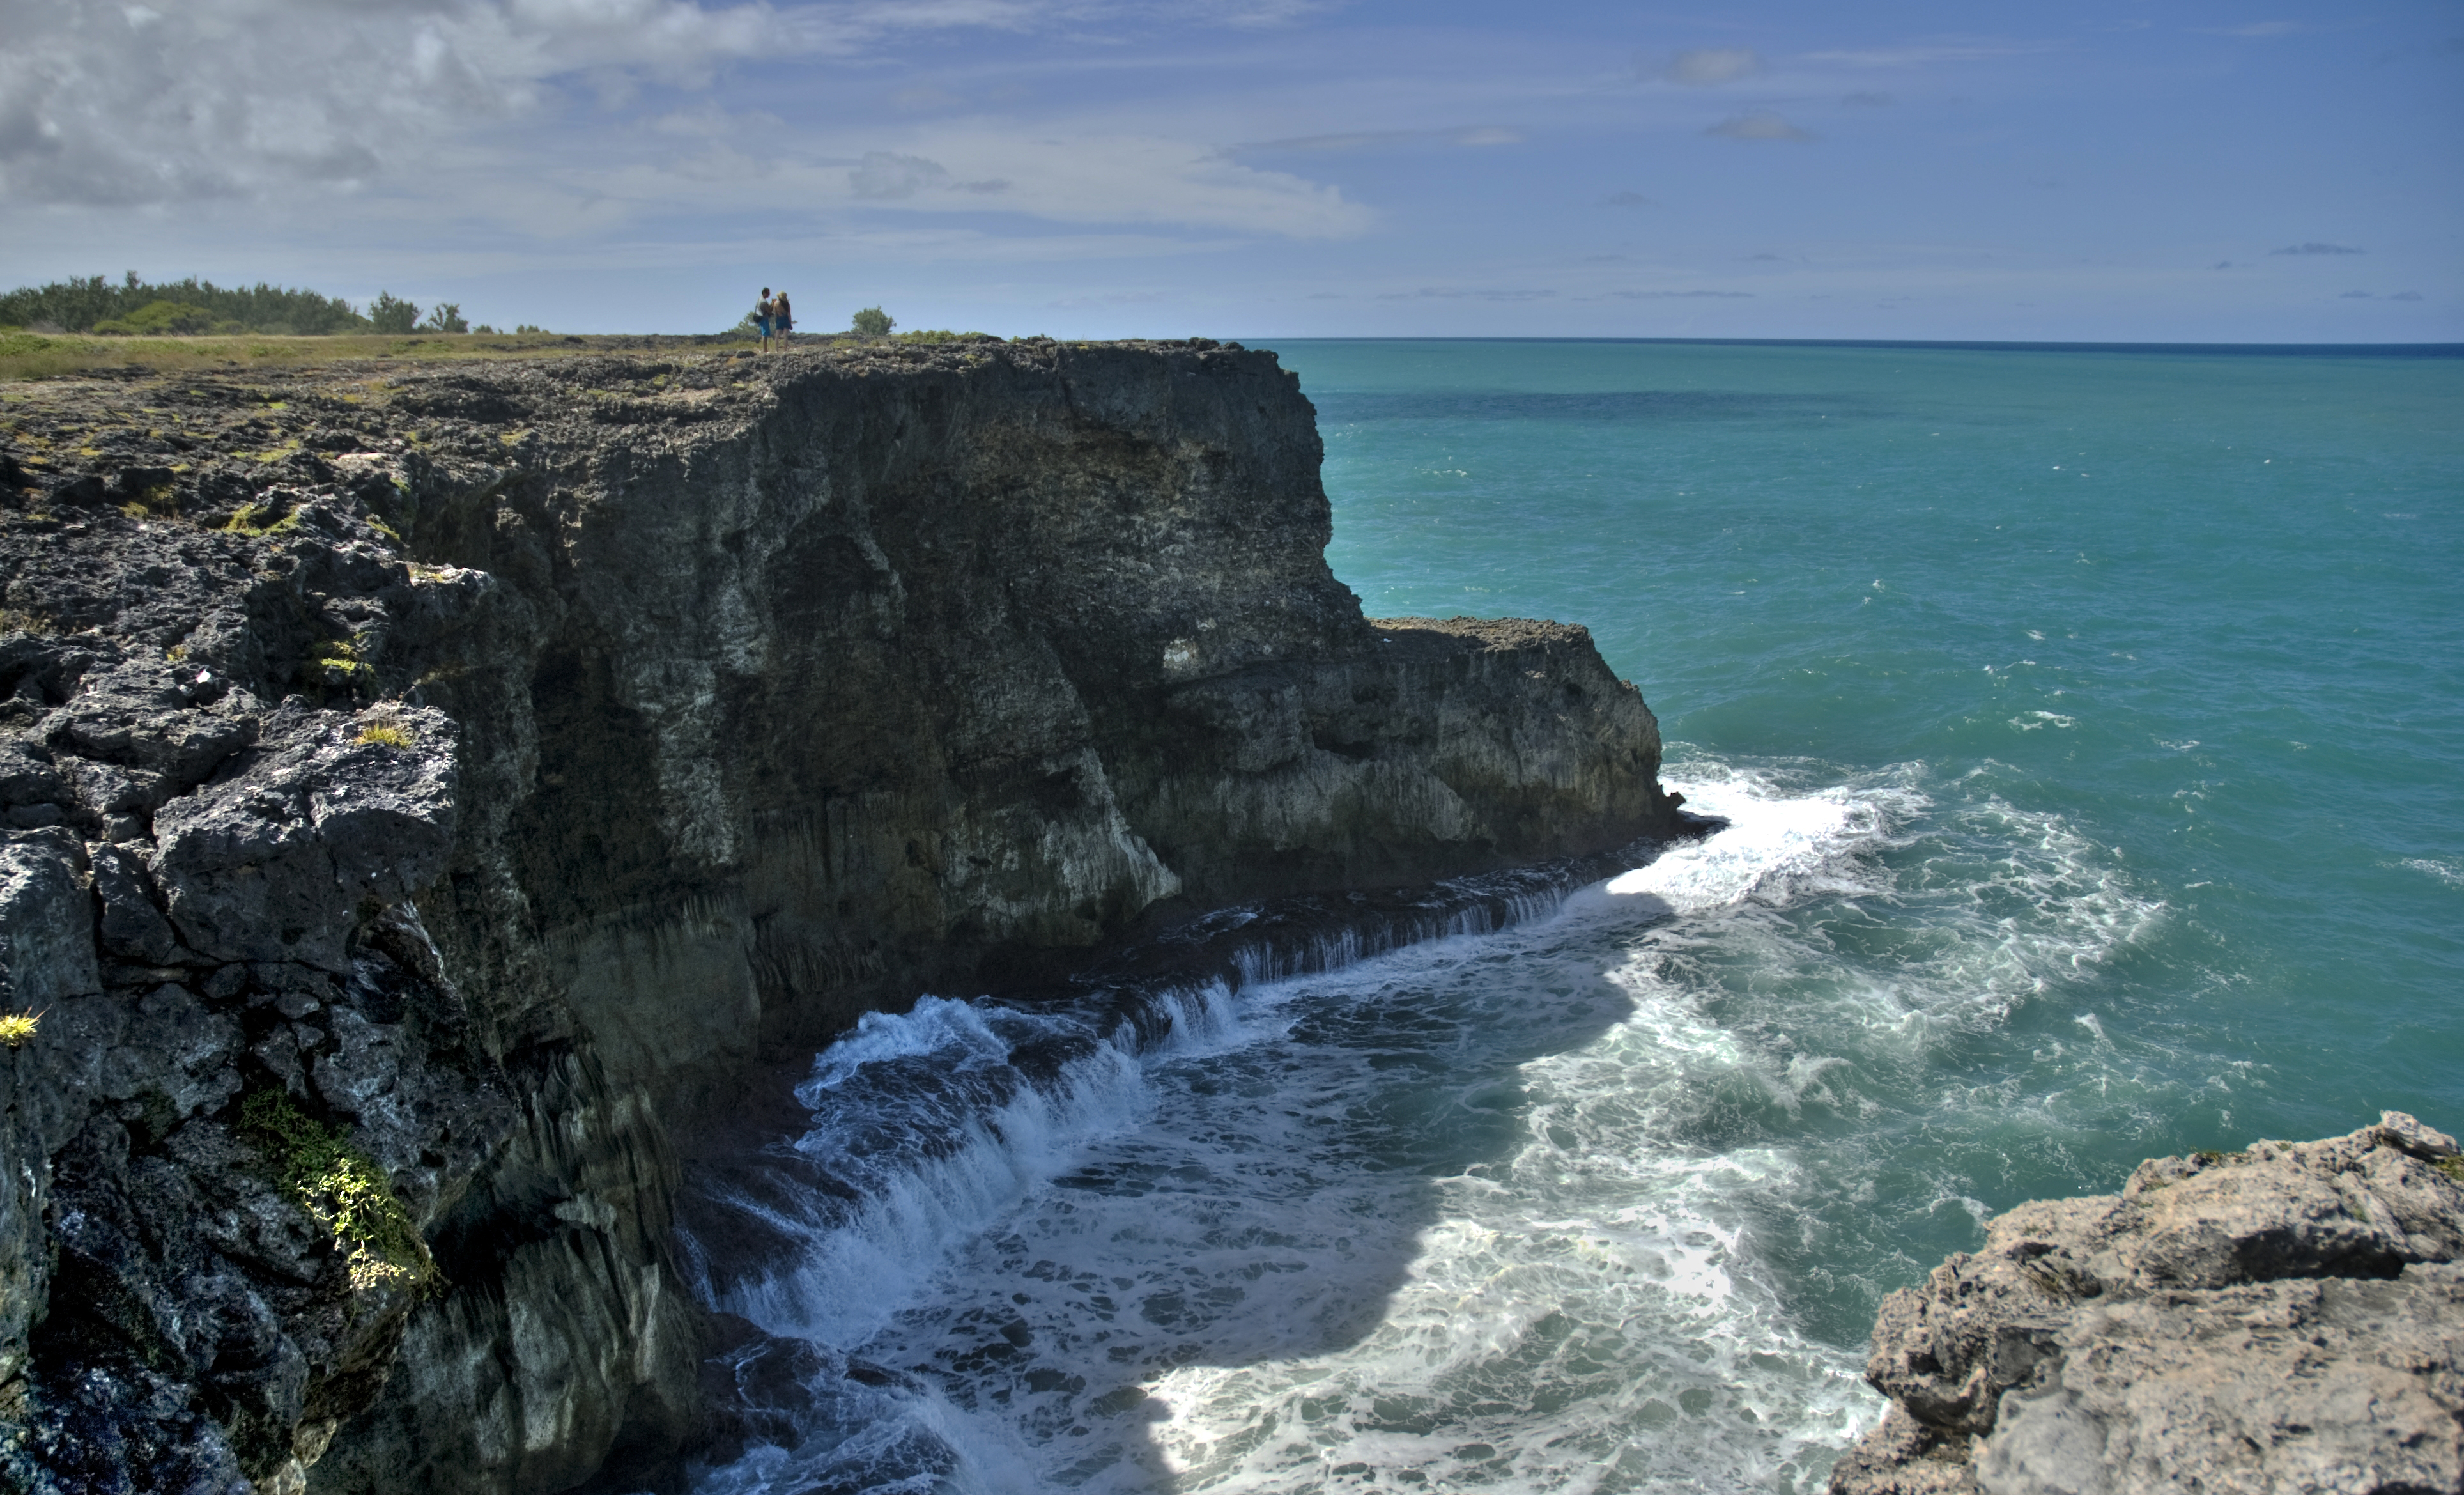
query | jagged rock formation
(464,776)
(2288,1318)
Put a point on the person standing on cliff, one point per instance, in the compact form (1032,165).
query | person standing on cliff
(762,311)
(783,320)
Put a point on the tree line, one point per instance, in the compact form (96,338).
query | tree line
(97,303)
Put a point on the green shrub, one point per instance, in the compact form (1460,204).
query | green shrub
(873,322)
(445,316)
(389,314)
(159,319)
(343,1189)
(81,303)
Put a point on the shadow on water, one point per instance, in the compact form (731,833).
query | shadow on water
(1274,1220)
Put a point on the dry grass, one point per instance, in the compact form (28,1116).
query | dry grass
(15,1027)
(26,355)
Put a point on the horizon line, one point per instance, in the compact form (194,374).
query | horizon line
(1993,345)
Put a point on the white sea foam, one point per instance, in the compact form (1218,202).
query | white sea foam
(2448,872)
(1524,1210)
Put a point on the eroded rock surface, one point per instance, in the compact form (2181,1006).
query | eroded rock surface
(491,761)
(2288,1318)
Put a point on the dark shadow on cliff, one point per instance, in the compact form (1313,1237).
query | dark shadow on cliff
(1421,1086)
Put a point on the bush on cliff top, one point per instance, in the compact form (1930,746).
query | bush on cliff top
(83,303)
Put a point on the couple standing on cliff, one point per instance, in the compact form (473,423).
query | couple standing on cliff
(772,315)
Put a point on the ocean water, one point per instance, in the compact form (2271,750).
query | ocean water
(2088,728)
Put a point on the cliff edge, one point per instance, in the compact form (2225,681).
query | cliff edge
(2286,1318)
(422,790)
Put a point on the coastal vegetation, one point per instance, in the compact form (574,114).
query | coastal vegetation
(342,1188)
(135,307)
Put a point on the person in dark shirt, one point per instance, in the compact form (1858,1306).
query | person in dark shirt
(762,310)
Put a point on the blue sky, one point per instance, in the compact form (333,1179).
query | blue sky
(2110,170)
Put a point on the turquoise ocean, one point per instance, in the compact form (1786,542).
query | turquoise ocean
(2088,728)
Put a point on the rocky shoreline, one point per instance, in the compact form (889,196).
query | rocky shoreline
(2286,1318)
(426,792)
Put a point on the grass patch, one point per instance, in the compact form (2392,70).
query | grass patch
(161,501)
(259,519)
(2451,1167)
(343,1189)
(16,1028)
(385,735)
(33,355)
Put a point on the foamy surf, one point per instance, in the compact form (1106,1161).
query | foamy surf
(1543,1209)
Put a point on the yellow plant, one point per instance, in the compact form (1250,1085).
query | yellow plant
(15,1027)
(343,1189)
(387,734)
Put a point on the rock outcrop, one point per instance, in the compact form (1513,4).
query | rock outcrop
(424,793)
(2287,1318)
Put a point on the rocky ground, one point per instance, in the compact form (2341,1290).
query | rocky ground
(419,789)
(2289,1318)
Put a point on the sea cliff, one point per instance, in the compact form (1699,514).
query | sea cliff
(428,793)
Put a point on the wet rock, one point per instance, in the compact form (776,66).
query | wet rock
(2288,1317)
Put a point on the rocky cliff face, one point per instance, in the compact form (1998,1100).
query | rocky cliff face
(424,791)
(2288,1318)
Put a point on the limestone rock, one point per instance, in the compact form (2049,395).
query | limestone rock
(495,762)
(273,860)
(2286,1318)
(46,951)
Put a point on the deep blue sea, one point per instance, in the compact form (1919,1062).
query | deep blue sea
(2089,727)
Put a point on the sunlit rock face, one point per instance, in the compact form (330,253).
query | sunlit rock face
(2289,1317)
(497,763)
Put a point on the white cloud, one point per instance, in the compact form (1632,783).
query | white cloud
(520,113)
(1760,125)
(1711,66)
(1106,178)
(2256,29)
(1920,54)
(1454,294)
(1377,139)
(101,103)
(888,177)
